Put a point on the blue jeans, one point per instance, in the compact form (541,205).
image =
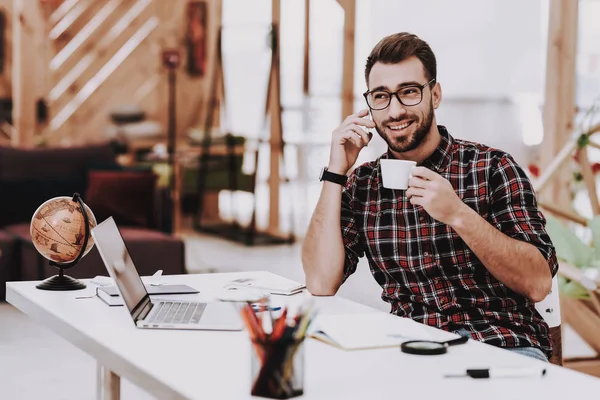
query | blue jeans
(533,352)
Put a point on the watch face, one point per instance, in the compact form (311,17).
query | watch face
(322,172)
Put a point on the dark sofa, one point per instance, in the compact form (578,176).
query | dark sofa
(29,177)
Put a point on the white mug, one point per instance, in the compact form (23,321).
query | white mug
(395,173)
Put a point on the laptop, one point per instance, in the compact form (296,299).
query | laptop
(152,313)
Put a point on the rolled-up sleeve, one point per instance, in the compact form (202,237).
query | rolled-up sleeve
(350,233)
(514,209)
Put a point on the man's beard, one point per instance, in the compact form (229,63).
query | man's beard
(405,144)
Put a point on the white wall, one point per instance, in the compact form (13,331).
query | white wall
(484,48)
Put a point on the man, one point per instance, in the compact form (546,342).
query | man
(464,248)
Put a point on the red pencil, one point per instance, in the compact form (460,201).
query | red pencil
(279,326)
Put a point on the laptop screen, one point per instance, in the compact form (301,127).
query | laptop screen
(119,264)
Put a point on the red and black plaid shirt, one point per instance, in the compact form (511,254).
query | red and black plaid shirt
(426,270)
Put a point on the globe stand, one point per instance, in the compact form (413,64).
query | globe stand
(62,281)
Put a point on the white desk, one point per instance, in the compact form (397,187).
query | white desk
(216,365)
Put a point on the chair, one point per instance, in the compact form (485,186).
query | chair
(583,315)
(549,309)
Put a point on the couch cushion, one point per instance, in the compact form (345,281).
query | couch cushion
(44,163)
(29,177)
(127,196)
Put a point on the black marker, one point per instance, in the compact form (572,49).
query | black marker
(519,372)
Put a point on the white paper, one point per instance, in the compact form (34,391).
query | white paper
(360,331)
(268,282)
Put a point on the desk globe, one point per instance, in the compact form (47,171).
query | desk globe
(60,231)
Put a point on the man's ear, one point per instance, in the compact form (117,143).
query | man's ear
(436,93)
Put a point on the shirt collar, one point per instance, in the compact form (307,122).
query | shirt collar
(441,156)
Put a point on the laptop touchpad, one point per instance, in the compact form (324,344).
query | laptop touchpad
(222,316)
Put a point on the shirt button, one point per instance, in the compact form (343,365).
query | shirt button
(426,254)
(422,218)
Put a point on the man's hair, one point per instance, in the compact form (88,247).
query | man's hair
(398,47)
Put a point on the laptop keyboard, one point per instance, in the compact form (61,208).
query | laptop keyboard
(172,312)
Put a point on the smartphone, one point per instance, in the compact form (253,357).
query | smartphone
(370,130)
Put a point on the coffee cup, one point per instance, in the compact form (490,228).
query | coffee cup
(395,173)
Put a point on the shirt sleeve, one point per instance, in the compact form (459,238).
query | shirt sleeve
(350,234)
(514,209)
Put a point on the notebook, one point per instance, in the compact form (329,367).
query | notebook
(366,331)
(268,282)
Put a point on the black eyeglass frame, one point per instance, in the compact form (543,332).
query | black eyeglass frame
(421,87)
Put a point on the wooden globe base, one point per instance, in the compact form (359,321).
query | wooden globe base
(61,282)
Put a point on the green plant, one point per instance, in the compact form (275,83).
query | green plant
(573,250)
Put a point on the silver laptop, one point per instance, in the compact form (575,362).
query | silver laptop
(156,314)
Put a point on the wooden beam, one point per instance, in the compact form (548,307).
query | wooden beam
(306,66)
(566,214)
(276,131)
(213,69)
(25,18)
(590,366)
(583,320)
(348,60)
(594,145)
(171,14)
(567,151)
(594,129)
(559,103)
(589,179)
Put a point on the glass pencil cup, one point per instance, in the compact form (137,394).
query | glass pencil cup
(277,368)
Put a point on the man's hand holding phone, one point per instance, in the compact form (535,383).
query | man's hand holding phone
(347,140)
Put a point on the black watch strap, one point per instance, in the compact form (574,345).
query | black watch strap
(333,177)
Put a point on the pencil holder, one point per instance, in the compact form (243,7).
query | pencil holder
(277,368)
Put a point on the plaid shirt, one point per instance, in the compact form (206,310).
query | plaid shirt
(426,270)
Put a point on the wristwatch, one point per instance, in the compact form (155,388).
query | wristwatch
(333,177)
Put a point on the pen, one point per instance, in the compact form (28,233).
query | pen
(520,372)
(261,308)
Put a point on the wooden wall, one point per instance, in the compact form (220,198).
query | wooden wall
(141,78)
(6,75)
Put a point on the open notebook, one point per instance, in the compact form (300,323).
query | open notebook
(268,282)
(366,331)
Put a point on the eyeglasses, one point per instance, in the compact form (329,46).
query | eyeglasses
(408,96)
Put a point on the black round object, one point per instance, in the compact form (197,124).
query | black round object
(61,282)
(423,347)
(428,347)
